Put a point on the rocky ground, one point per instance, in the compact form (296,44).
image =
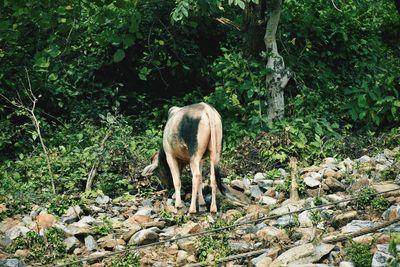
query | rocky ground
(105,225)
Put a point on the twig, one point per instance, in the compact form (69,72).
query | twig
(334,5)
(93,170)
(361,232)
(228,22)
(294,193)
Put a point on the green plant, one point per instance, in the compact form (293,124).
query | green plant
(125,260)
(359,254)
(315,216)
(60,203)
(44,249)
(103,229)
(380,203)
(214,244)
(317,201)
(364,197)
(273,174)
(393,243)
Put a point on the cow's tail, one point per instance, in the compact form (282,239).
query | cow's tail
(214,155)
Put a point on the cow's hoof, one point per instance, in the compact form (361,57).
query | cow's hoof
(192,211)
(213,209)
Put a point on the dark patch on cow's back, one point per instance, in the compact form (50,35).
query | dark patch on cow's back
(188,129)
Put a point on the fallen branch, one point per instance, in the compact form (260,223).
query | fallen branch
(361,232)
(294,193)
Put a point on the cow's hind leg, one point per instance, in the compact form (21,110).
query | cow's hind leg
(202,203)
(213,207)
(174,167)
(196,182)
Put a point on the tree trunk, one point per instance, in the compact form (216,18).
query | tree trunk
(279,76)
(253,28)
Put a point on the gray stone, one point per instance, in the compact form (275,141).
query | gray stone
(382,256)
(240,246)
(71,214)
(346,264)
(303,254)
(143,237)
(17,231)
(266,200)
(304,219)
(146,211)
(392,213)
(71,243)
(12,263)
(311,182)
(357,225)
(255,191)
(259,176)
(90,243)
(285,220)
(287,208)
(147,202)
(102,200)
(363,159)
(88,220)
(334,184)
(27,220)
(328,161)
(5,241)
(181,257)
(258,259)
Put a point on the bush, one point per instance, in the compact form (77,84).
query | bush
(360,254)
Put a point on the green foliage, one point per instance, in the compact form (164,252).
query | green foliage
(315,217)
(380,203)
(103,229)
(125,260)
(359,254)
(59,204)
(393,243)
(273,174)
(214,244)
(44,250)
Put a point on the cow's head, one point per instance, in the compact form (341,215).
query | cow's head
(159,166)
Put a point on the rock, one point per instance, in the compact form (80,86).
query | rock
(259,176)
(346,264)
(360,183)
(265,184)
(8,223)
(12,263)
(110,242)
(287,208)
(146,211)
(71,243)
(90,243)
(181,257)
(311,182)
(302,254)
(101,200)
(71,214)
(329,161)
(336,198)
(239,246)
(17,231)
(307,234)
(363,159)
(364,239)
(392,213)
(382,256)
(285,220)
(128,234)
(143,237)
(45,221)
(188,245)
(310,169)
(88,220)
(343,218)
(21,253)
(5,241)
(74,229)
(27,220)
(266,200)
(271,233)
(380,188)
(357,225)
(304,219)
(241,185)
(255,191)
(334,184)
(257,260)
(139,219)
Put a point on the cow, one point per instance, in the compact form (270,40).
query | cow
(190,135)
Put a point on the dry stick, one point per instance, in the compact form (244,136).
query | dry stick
(93,171)
(232,257)
(264,218)
(19,104)
(361,232)
(294,193)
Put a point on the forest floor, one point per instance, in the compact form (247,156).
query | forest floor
(269,218)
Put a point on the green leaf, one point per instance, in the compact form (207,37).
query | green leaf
(119,55)
(53,77)
(241,4)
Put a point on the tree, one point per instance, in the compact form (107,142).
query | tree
(256,15)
